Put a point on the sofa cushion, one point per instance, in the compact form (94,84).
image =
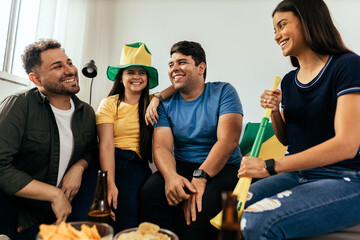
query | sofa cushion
(351,233)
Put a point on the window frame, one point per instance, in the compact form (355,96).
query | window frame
(6,72)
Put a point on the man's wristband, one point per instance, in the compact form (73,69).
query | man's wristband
(270,166)
(158,95)
(199,173)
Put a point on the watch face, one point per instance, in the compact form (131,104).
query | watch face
(200,173)
(269,163)
(197,173)
(270,166)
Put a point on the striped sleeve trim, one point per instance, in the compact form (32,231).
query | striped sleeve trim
(349,90)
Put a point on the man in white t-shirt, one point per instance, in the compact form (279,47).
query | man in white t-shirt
(48,138)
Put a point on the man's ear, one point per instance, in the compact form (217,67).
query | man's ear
(35,79)
(202,67)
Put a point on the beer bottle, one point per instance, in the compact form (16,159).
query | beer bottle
(100,210)
(230,227)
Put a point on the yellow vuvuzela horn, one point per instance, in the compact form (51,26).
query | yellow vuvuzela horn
(242,187)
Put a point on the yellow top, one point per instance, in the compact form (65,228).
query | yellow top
(125,120)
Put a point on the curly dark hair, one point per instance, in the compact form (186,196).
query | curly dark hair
(31,56)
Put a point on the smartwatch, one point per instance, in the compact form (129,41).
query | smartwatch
(158,95)
(199,173)
(270,166)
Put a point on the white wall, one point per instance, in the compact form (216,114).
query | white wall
(237,36)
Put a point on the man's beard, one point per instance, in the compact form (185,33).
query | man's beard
(59,89)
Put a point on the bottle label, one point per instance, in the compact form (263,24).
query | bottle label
(239,204)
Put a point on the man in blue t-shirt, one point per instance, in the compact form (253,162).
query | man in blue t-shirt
(195,148)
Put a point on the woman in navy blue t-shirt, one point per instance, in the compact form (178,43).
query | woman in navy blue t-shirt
(315,188)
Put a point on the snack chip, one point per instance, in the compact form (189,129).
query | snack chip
(147,227)
(145,231)
(65,231)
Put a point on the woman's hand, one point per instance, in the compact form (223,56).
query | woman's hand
(112,198)
(271,99)
(252,167)
(151,115)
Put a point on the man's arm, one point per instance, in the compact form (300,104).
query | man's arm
(228,134)
(41,191)
(13,117)
(151,115)
(71,181)
(13,114)
(175,184)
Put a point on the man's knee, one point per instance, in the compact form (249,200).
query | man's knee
(153,185)
(152,191)
(151,197)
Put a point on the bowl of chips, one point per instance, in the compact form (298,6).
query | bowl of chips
(146,231)
(76,231)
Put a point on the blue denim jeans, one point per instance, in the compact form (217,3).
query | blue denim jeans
(130,174)
(302,203)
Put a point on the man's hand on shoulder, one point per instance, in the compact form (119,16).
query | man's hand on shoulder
(71,181)
(151,114)
(194,203)
(177,189)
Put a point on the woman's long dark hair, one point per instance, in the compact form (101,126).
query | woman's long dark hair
(318,28)
(145,142)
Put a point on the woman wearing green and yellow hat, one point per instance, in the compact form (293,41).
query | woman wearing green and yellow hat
(124,135)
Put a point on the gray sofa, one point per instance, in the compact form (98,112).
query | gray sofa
(351,233)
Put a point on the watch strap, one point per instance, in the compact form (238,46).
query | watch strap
(270,166)
(199,173)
